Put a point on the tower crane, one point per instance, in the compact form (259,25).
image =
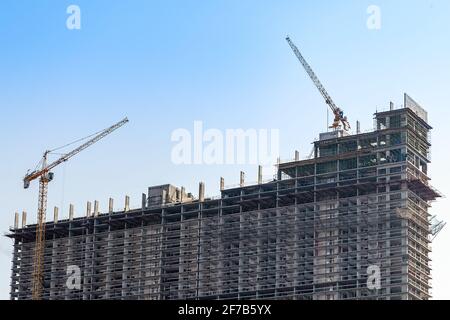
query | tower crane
(45,176)
(339,119)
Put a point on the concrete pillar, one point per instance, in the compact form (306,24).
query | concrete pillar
(95,208)
(88,209)
(71,212)
(127,204)
(297,155)
(391,106)
(144,201)
(16,220)
(164,197)
(358,127)
(222,184)
(242,179)
(24,219)
(201,191)
(55,214)
(111,205)
(183,191)
(259,174)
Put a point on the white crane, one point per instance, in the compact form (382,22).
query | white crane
(339,119)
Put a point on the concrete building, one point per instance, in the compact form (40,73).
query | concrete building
(350,222)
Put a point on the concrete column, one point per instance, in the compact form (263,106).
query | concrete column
(95,208)
(55,214)
(24,219)
(88,209)
(144,201)
(358,127)
(259,174)
(127,204)
(391,106)
(111,205)
(16,220)
(71,212)
(201,191)
(242,179)
(164,197)
(222,184)
(297,155)
(183,191)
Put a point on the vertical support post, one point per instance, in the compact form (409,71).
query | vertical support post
(127,204)
(297,155)
(201,191)
(164,196)
(358,127)
(16,220)
(242,179)
(183,192)
(55,214)
(144,201)
(391,106)
(259,174)
(222,184)
(95,208)
(88,209)
(71,212)
(111,205)
(24,219)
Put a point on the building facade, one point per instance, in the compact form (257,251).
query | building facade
(351,222)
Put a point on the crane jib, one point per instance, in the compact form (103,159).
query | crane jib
(46,176)
(340,119)
(67,156)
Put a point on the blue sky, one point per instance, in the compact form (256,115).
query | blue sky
(165,64)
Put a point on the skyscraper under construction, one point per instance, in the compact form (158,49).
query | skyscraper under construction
(349,222)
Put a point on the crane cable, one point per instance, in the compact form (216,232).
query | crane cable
(39,164)
(76,141)
(63,186)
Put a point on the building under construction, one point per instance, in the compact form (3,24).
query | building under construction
(316,231)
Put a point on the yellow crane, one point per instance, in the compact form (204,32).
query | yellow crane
(45,176)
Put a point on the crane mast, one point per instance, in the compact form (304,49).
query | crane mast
(45,176)
(339,119)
